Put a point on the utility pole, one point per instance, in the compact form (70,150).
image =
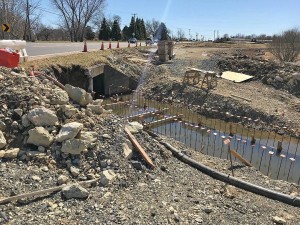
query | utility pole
(134,14)
(196,36)
(27,23)
(214,35)
(190,34)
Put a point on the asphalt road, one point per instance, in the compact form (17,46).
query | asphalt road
(58,48)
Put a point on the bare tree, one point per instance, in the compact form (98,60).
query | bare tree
(286,46)
(152,26)
(12,12)
(77,14)
(180,34)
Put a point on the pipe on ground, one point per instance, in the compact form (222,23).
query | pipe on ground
(294,201)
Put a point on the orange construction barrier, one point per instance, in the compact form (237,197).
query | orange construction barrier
(84,47)
(9,59)
(118,45)
(128,44)
(102,46)
(109,46)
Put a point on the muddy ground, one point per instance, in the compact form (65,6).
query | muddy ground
(172,192)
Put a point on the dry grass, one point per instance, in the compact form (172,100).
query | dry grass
(81,59)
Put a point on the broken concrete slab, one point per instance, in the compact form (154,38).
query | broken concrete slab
(9,154)
(42,117)
(75,191)
(134,127)
(73,146)
(107,177)
(68,131)
(39,136)
(78,95)
(90,137)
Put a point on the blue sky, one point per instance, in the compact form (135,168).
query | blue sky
(203,16)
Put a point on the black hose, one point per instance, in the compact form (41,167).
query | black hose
(294,201)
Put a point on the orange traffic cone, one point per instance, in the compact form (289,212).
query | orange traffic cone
(109,46)
(118,45)
(84,47)
(140,44)
(102,46)
(128,44)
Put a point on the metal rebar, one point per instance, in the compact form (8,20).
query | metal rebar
(282,156)
(196,137)
(271,154)
(263,149)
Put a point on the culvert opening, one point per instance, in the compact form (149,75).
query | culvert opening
(101,80)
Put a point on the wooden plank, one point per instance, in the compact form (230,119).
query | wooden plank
(239,157)
(235,77)
(145,115)
(139,148)
(236,96)
(162,121)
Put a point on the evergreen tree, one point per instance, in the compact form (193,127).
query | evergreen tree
(116,31)
(126,33)
(138,28)
(132,27)
(89,33)
(162,32)
(143,30)
(105,32)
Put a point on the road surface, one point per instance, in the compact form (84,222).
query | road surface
(57,48)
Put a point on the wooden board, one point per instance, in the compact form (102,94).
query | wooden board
(235,77)
(239,157)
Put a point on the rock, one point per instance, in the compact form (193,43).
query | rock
(107,177)
(278,220)
(137,165)
(10,154)
(97,109)
(36,178)
(89,137)
(41,149)
(73,146)
(134,127)
(19,112)
(42,117)
(74,171)
(127,150)
(208,210)
(107,136)
(25,121)
(78,95)
(2,126)
(278,78)
(69,110)
(39,136)
(69,131)
(2,140)
(75,191)
(62,179)
(296,76)
(45,168)
(60,97)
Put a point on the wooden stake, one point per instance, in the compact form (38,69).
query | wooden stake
(139,148)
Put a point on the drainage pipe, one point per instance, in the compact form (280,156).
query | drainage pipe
(295,201)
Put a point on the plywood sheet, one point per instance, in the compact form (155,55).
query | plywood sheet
(235,77)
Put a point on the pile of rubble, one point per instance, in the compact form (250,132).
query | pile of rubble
(282,76)
(40,125)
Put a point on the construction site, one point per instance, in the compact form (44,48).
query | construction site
(173,133)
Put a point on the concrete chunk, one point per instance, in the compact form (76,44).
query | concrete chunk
(107,177)
(68,131)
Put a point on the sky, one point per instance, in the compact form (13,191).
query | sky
(202,16)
